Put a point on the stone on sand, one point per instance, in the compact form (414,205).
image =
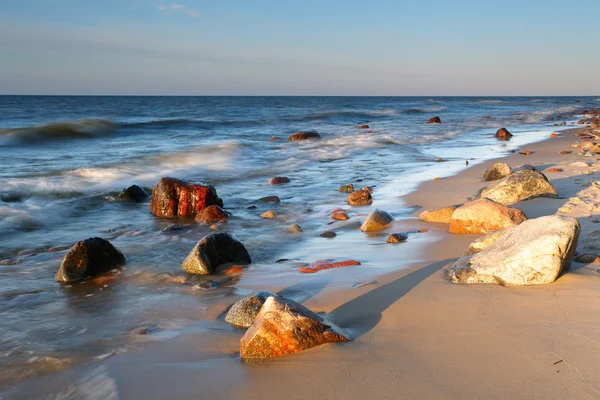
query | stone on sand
(243,312)
(376,221)
(360,198)
(442,215)
(483,216)
(496,172)
(397,238)
(519,186)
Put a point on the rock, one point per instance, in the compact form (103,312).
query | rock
(564,152)
(363,127)
(368,189)
(554,170)
(328,234)
(483,242)
(553,135)
(442,215)
(397,238)
(349,188)
(278,180)
(285,327)
(269,199)
(519,186)
(484,215)
(587,258)
(304,136)
(532,253)
(89,258)
(212,214)
(173,197)
(496,172)
(503,133)
(525,167)
(273,138)
(250,207)
(133,193)
(213,250)
(268,215)
(340,216)
(327,264)
(144,330)
(295,228)
(360,198)
(376,221)
(525,153)
(434,120)
(243,312)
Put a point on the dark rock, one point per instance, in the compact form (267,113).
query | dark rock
(89,258)
(173,197)
(213,250)
(397,238)
(304,136)
(434,120)
(134,193)
(363,127)
(269,199)
(278,180)
(503,133)
(243,312)
(376,220)
(328,234)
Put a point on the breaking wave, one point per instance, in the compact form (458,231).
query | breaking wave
(86,128)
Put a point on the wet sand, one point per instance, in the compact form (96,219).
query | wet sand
(415,334)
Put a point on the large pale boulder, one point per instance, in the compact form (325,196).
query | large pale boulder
(443,215)
(174,197)
(88,258)
(213,250)
(484,215)
(244,311)
(532,253)
(285,327)
(376,221)
(522,185)
(496,172)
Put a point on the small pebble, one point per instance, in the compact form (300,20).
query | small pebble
(328,234)
(397,238)
(268,214)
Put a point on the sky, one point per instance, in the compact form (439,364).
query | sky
(308,47)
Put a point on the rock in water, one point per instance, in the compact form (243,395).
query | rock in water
(294,228)
(285,327)
(243,312)
(438,214)
(522,185)
(278,180)
(349,188)
(376,221)
(213,250)
(434,120)
(304,136)
(134,193)
(532,253)
(360,198)
(397,238)
(496,172)
(212,214)
(484,215)
(503,133)
(173,197)
(88,258)
(268,215)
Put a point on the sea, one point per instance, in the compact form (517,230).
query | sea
(64,160)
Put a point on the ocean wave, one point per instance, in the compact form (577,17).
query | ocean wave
(86,128)
(423,110)
(343,115)
(540,116)
(489,101)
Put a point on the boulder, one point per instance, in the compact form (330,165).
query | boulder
(268,215)
(89,258)
(503,133)
(304,136)
(349,188)
(483,242)
(496,172)
(484,215)
(519,186)
(243,312)
(285,327)
(133,193)
(295,228)
(173,197)
(532,253)
(376,221)
(397,238)
(442,215)
(269,199)
(278,180)
(434,120)
(213,250)
(212,214)
(360,198)
(340,216)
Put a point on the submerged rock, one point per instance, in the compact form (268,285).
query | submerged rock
(89,258)
(295,228)
(269,199)
(376,221)
(484,215)
(434,120)
(133,193)
(304,136)
(285,327)
(243,312)
(496,172)
(442,215)
(212,214)
(213,250)
(328,234)
(519,186)
(503,133)
(174,197)
(327,264)
(532,253)
(340,216)
(363,126)
(349,188)
(278,180)
(360,198)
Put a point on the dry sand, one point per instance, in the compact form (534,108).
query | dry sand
(417,336)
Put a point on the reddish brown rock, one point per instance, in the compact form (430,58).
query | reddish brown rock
(278,180)
(363,127)
(212,214)
(484,215)
(360,198)
(553,135)
(274,138)
(327,264)
(304,136)
(564,152)
(503,133)
(284,327)
(174,197)
(340,216)
(434,120)
(554,170)
(525,153)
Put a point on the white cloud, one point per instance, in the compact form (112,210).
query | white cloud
(177,7)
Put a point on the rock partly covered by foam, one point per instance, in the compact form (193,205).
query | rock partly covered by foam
(213,250)
(442,215)
(243,312)
(88,258)
(133,193)
(519,186)
(304,136)
(376,221)
(285,327)
(360,198)
(496,172)
(484,215)
(174,197)
(212,214)
(532,253)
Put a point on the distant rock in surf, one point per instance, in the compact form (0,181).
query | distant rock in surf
(213,250)
(349,188)
(376,221)
(174,197)
(434,120)
(304,136)
(503,133)
(133,193)
(278,180)
(89,258)
(363,127)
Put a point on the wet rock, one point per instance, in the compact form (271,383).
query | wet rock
(134,193)
(503,133)
(304,136)
(212,214)
(554,170)
(397,238)
(144,330)
(213,250)
(360,198)
(269,199)
(532,253)
(278,180)
(174,228)
(89,258)
(553,135)
(250,207)
(268,215)
(368,189)
(274,138)
(327,264)
(349,188)
(244,311)
(328,234)
(496,172)
(285,327)
(173,197)
(587,258)
(564,152)
(363,127)
(295,228)
(442,215)
(484,215)
(376,221)
(519,186)
(340,216)
(434,120)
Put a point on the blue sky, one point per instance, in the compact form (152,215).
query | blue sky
(421,47)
